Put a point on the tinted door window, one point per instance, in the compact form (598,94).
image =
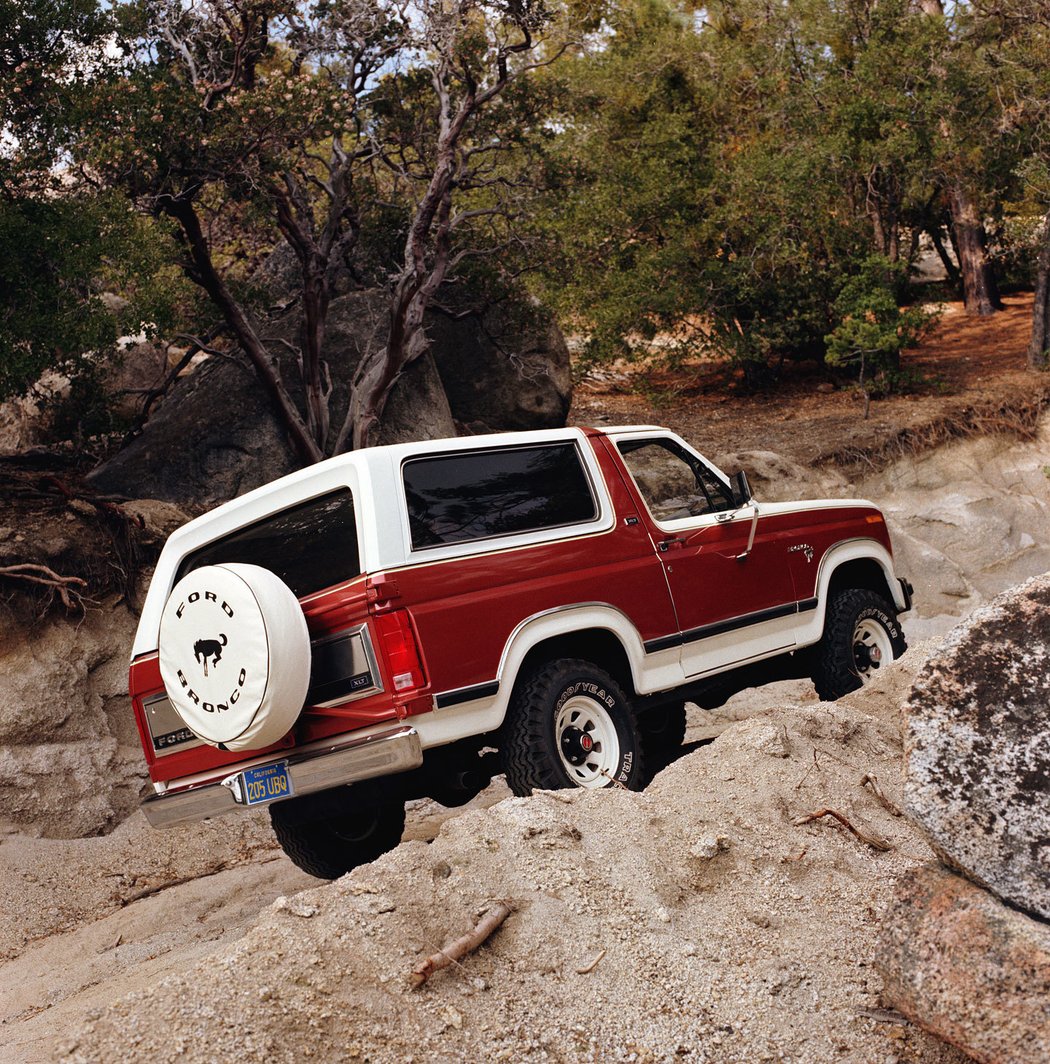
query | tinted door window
(674,483)
(480,494)
(309,547)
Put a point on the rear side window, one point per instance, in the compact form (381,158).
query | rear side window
(310,546)
(480,494)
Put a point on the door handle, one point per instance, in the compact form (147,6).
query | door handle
(671,541)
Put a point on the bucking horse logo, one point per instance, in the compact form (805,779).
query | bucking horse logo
(209,648)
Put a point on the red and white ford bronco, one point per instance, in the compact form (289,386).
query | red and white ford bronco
(407,621)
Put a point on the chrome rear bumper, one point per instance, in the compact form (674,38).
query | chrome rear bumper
(347,761)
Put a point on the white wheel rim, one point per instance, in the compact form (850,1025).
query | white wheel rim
(871,647)
(583,717)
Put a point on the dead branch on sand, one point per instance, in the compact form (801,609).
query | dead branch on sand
(467,943)
(871,840)
(588,968)
(64,586)
(873,782)
(148,892)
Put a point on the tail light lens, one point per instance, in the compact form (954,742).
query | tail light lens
(398,641)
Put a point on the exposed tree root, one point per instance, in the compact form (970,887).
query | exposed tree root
(1018,417)
(460,947)
(66,587)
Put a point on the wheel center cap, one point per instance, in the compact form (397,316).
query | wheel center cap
(576,745)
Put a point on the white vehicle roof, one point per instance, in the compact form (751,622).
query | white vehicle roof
(371,474)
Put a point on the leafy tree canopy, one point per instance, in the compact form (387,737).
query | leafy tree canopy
(63,244)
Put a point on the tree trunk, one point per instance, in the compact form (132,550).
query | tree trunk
(980,292)
(427,259)
(316,297)
(883,206)
(942,253)
(265,367)
(1039,344)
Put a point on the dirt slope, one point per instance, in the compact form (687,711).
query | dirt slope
(728,933)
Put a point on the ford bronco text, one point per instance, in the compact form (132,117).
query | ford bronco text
(408,621)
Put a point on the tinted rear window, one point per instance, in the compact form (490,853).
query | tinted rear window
(309,547)
(481,494)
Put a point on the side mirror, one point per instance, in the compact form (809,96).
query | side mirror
(742,493)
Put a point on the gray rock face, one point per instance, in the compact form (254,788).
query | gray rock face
(977,747)
(216,435)
(71,762)
(213,438)
(962,965)
(507,368)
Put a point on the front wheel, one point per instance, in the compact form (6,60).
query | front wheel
(571,725)
(861,635)
(332,832)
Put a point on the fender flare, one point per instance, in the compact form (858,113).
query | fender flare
(487,712)
(565,620)
(861,549)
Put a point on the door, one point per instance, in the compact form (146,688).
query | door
(727,567)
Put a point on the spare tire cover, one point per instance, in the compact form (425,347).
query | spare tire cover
(235,655)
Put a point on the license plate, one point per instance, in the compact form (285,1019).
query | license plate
(265,783)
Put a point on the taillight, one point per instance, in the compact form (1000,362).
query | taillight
(398,641)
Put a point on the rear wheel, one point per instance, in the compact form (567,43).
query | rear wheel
(663,729)
(330,833)
(571,725)
(861,635)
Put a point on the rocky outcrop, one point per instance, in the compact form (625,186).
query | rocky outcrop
(961,964)
(504,368)
(504,365)
(71,762)
(216,435)
(968,520)
(953,957)
(977,748)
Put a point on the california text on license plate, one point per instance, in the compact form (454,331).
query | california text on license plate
(264,783)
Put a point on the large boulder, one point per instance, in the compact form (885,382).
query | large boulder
(502,359)
(977,747)
(216,435)
(503,368)
(967,968)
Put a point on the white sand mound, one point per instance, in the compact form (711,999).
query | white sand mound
(728,933)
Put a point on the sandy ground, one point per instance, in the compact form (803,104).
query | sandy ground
(694,920)
(725,931)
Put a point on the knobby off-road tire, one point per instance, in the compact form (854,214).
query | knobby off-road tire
(331,833)
(861,634)
(571,725)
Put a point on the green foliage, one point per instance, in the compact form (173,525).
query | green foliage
(719,171)
(59,258)
(49,50)
(78,268)
(872,330)
(738,177)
